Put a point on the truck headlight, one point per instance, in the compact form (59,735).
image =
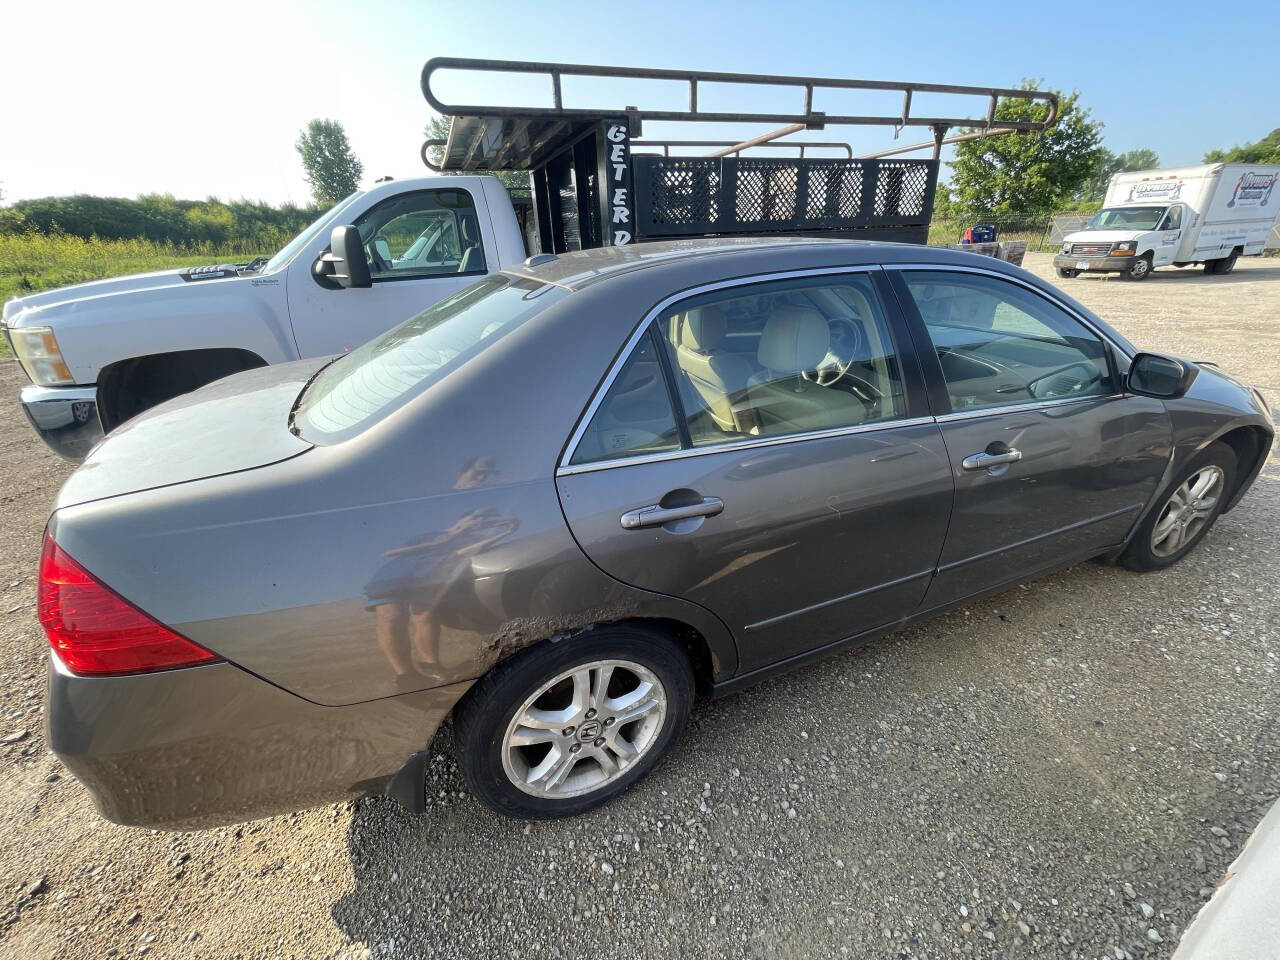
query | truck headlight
(37,350)
(1124,249)
(1066,248)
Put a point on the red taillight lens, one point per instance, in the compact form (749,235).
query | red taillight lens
(97,632)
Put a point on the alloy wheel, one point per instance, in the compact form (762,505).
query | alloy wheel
(1187,510)
(584,729)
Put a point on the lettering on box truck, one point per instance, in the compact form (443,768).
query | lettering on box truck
(1155,190)
(1253,189)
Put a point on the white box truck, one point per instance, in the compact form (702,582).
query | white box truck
(1210,214)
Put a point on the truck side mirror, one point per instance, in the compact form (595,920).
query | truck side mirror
(1154,375)
(344,264)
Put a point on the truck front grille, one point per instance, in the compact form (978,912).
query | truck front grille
(1090,249)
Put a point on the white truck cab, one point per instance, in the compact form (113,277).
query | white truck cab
(1210,214)
(98,353)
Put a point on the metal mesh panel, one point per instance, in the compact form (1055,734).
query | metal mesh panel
(834,191)
(684,191)
(766,191)
(901,187)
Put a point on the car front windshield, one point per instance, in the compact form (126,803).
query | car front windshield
(288,251)
(359,389)
(1126,218)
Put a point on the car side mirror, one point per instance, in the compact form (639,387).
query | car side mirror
(344,264)
(1155,375)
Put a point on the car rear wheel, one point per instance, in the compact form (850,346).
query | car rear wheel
(567,726)
(1140,269)
(1066,273)
(1184,512)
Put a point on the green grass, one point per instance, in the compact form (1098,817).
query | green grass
(33,261)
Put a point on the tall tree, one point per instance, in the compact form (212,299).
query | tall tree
(1266,150)
(331,166)
(438,129)
(1027,175)
(1095,188)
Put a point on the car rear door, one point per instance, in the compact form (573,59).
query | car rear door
(1052,461)
(710,468)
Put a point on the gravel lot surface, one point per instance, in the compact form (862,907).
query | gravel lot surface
(1063,770)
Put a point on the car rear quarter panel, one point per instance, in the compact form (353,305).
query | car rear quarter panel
(442,524)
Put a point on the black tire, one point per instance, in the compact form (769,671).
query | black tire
(1224,266)
(1140,269)
(1141,554)
(1065,273)
(483,718)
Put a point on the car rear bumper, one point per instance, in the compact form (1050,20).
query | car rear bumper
(65,417)
(210,745)
(1096,264)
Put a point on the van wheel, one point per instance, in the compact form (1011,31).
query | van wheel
(1223,266)
(567,726)
(1140,269)
(1066,273)
(1184,511)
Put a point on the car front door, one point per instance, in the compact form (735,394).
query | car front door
(422,246)
(1052,461)
(762,450)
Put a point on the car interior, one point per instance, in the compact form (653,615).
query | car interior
(801,359)
(414,236)
(999,345)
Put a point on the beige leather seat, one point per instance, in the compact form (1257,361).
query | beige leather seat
(718,377)
(795,340)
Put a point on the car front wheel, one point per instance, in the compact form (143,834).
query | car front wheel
(1185,512)
(1140,269)
(1066,273)
(568,725)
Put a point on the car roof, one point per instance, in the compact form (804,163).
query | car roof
(582,268)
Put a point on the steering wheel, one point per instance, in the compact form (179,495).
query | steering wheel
(845,343)
(376,259)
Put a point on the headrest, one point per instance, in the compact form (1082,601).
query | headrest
(794,339)
(703,329)
(468,230)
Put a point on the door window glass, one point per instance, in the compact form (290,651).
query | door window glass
(1001,344)
(783,357)
(425,233)
(1173,219)
(635,416)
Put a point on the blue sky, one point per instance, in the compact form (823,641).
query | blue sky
(144,97)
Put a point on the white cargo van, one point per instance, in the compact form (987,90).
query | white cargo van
(1209,214)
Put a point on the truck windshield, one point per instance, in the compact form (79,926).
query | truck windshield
(288,251)
(359,389)
(1126,218)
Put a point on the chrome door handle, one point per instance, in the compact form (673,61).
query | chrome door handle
(655,514)
(984,460)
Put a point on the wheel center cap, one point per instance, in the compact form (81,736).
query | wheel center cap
(589,730)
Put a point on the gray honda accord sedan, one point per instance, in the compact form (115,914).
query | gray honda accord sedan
(562,503)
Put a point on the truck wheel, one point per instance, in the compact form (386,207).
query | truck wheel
(1065,273)
(1223,266)
(1140,269)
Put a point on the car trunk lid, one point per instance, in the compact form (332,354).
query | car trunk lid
(235,424)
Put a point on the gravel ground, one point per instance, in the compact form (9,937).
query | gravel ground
(1063,770)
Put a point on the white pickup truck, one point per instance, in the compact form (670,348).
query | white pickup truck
(98,353)
(1210,214)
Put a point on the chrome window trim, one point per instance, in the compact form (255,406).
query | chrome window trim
(1065,307)
(1027,407)
(565,467)
(750,443)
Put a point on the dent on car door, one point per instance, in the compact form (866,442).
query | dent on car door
(1052,461)
(760,452)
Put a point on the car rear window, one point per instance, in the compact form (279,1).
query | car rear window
(359,389)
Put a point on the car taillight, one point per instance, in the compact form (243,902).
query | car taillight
(97,632)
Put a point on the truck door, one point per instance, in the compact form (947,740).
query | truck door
(1169,235)
(422,246)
